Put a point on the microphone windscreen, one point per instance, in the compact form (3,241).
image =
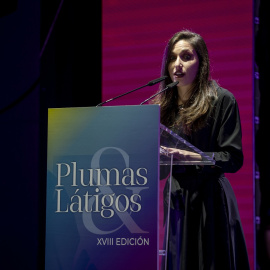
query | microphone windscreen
(171,85)
(157,80)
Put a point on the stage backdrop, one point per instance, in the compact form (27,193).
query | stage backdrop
(134,34)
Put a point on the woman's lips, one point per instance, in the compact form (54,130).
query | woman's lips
(178,74)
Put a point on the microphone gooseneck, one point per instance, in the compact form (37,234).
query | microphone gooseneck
(153,82)
(169,86)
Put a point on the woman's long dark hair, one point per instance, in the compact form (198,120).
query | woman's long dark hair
(202,92)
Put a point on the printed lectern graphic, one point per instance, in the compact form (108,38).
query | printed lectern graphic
(102,188)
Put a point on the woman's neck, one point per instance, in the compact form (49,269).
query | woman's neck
(183,94)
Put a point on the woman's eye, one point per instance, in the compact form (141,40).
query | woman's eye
(186,57)
(172,58)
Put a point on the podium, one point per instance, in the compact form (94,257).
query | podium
(103,188)
(169,139)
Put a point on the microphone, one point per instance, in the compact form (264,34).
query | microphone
(169,86)
(155,81)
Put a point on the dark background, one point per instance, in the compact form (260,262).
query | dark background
(50,56)
(262,142)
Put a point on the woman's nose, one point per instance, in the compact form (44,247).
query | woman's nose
(178,62)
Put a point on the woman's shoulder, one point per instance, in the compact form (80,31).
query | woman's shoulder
(223,94)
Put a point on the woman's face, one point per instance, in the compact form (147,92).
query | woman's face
(183,64)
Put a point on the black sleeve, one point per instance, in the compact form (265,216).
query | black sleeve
(228,154)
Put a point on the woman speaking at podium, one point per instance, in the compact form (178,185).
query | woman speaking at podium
(205,230)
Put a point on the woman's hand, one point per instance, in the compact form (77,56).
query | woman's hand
(182,154)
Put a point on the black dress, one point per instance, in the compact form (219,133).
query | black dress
(205,231)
